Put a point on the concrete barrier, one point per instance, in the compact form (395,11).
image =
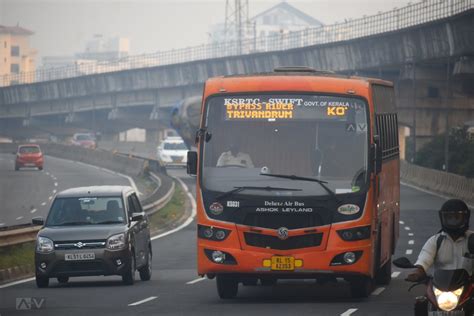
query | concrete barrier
(438,181)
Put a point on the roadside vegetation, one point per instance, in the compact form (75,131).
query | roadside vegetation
(461,146)
(17,255)
(172,211)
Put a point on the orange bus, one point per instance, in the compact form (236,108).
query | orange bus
(297,178)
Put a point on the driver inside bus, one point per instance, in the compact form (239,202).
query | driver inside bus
(234,157)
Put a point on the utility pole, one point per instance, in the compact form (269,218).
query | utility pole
(236,21)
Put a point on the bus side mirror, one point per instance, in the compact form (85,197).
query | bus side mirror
(377,153)
(191,165)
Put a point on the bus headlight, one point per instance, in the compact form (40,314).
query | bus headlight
(353,234)
(447,301)
(212,233)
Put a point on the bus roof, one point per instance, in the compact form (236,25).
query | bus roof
(292,80)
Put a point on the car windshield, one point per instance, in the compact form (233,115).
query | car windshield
(84,137)
(174,146)
(29,150)
(313,136)
(86,211)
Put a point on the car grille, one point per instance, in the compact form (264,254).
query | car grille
(86,266)
(177,158)
(275,221)
(80,244)
(273,242)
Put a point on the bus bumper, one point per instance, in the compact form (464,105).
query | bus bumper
(305,264)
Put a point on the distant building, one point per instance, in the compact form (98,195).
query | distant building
(278,20)
(16,55)
(100,48)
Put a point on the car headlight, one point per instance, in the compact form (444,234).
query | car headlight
(44,245)
(447,301)
(116,242)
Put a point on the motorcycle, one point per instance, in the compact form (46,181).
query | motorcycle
(448,292)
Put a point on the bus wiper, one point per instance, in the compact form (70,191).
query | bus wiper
(293,177)
(267,188)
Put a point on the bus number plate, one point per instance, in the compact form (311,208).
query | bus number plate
(280,263)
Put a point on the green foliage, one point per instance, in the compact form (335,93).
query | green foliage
(460,153)
(17,255)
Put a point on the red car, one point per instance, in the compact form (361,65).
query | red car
(29,156)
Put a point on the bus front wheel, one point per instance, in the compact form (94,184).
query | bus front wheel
(227,286)
(361,287)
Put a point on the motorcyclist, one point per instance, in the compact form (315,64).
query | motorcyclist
(446,249)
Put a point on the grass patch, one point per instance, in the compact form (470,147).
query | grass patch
(172,211)
(17,255)
(146,185)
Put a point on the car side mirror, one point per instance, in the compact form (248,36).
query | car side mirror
(403,263)
(377,154)
(136,217)
(191,165)
(38,221)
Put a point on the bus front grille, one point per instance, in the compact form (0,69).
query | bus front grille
(290,221)
(273,242)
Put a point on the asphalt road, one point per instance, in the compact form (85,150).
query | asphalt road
(27,193)
(176,290)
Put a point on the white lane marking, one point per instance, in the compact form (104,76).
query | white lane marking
(151,298)
(55,184)
(409,251)
(378,291)
(54,191)
(47,173)
(407,228)
(16,282)
(395,274)
(33,210)
(411,242)
(402,222)
(411,234)
(43,204)
(19,217)
(349,312)
(50,197)
(189,220)
(196,281)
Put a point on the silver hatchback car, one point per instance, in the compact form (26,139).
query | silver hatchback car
(99,230)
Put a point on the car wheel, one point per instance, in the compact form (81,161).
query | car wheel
(17,168)
(42,281)
(128,277)
(227,286)
(63,279)
(361,287)
(145,271)
(40,168)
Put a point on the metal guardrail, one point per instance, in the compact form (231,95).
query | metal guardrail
(398,18)
(28,234)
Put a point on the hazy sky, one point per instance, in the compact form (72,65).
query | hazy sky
(63,26)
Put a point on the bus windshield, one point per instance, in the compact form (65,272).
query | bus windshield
(313,136)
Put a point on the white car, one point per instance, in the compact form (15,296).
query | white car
(173,152)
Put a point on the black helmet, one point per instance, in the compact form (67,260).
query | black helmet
(454,216)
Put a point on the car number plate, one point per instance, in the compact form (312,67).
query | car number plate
(281,263)
(79,256)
